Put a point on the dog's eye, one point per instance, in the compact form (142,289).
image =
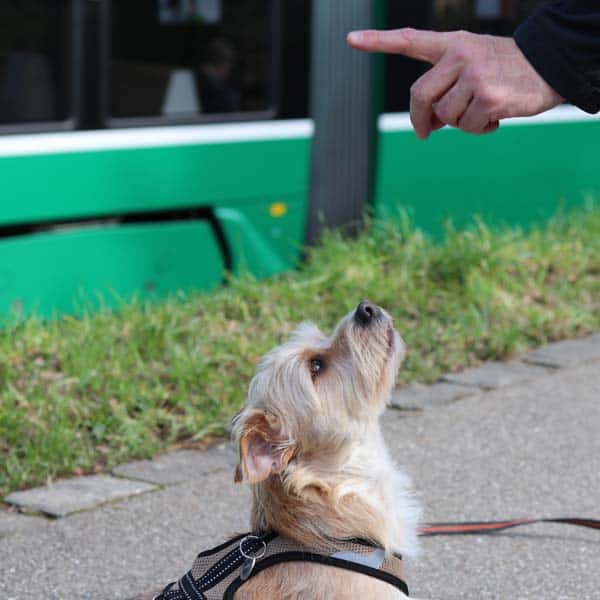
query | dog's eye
(316,365)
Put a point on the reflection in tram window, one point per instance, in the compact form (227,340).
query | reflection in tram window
(181,11)
(188,58)
(499,17)
(33,73)
(213,77)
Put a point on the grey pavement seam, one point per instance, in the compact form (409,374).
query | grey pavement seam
(179,466)
(566,353)
(76,494)
(494,375)
(419,396)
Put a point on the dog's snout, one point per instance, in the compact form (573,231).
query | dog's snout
(366,312)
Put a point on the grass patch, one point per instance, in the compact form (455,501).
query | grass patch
(80,395)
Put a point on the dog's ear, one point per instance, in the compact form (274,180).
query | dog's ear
(263,448)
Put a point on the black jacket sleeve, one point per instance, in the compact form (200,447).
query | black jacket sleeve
(562,42)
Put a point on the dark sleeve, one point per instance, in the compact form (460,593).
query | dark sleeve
(562,42)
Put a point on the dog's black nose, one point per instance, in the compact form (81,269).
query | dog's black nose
(366,312)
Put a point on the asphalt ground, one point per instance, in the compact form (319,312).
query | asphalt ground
(532,450)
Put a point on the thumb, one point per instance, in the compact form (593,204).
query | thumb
(424,45)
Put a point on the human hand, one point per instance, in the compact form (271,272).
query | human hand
(476,80)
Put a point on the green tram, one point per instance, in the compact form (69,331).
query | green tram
(148,146)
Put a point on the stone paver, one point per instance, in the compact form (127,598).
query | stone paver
(419,396)
(566,353)
(494,375)
(184,465)
(11,523)
(77,494)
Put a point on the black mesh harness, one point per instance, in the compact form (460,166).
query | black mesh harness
(218,573)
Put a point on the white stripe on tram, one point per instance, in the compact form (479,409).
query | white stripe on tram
(560,114)
(191,135)
(145,137)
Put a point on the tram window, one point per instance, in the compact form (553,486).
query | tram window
(34,78)
(498,17)
(189,59)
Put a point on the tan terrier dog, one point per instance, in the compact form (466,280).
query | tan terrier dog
(331,513)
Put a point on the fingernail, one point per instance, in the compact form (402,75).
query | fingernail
(355,37)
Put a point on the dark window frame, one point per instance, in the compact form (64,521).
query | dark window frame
(106,121)
(74,53)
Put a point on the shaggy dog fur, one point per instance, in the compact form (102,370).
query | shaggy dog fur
(311,447)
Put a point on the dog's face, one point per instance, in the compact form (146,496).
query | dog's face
(311,394)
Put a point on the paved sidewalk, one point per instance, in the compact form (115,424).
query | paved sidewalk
(528,447)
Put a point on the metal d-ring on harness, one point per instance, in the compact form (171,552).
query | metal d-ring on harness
(251,557)
(218,573)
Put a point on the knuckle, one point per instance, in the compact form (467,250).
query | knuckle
(466,124)
(418,93)
(469,128)
(487,99)
(443,113)
(408,34)
(461,53)
(474,78)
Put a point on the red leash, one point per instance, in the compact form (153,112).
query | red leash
(481,527)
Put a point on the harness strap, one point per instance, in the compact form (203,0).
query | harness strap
(230,562)
(299,556)
(218,573)
(188,586)
(482,527)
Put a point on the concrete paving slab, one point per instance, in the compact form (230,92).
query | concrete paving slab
(183,465)
(12,523)
(494,375)
(530,450)
(566,353)
(525,451)
(77,494)
(419,396)
(123,549)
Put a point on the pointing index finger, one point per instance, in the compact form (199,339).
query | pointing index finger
(424,45)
